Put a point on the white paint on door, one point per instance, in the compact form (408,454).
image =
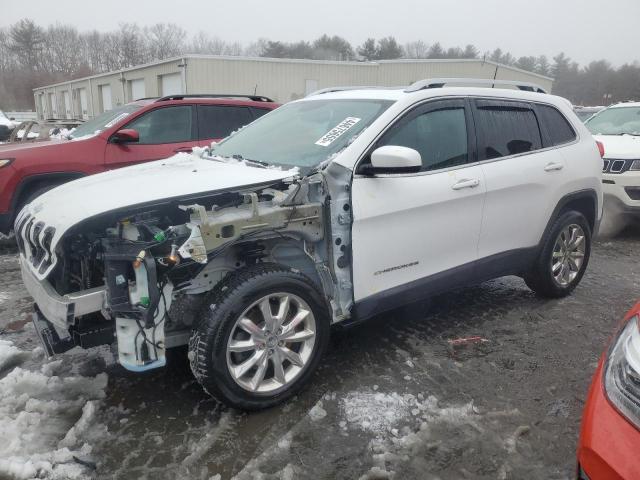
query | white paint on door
(66,100)
(83,103)
(137,89)
(105,92)
(51,110)
(171,84)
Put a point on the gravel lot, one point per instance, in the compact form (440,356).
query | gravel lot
(393,398)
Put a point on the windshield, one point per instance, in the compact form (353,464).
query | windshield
(302,134)
(616,121)
(105,120)
(584,115)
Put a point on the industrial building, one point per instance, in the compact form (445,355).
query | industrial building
(281,79)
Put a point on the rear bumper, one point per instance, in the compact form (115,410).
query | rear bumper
(608,446)
(61,310)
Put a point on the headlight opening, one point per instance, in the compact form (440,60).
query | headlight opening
(622,372)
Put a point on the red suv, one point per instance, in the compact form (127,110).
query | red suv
(140,131)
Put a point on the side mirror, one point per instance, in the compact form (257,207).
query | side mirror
(395,159)
(126,135)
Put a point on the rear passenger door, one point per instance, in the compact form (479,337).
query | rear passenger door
(216,122)
(524,177)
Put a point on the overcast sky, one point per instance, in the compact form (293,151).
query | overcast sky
(584,29)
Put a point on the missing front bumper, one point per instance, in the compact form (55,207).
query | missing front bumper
(61,310)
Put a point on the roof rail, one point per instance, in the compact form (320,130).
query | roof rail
(254,98)
(489,82)
(341,89)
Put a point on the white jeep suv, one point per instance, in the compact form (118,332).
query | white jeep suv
(330,209)
(617,128)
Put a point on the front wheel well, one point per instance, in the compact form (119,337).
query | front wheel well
(33,184)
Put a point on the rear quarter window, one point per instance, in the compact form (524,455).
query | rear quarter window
(557,127)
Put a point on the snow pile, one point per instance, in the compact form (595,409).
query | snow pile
(414,434)
(8,353)
(377,412)
(60,133)
(47,420)
(417,440)
(317,412)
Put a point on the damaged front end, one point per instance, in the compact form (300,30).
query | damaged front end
(138,276)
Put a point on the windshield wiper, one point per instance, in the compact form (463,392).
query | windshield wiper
(250,160)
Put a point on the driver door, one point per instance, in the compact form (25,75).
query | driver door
(163,132)
(416,233)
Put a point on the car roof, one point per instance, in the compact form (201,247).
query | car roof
(206,101)
(402,93)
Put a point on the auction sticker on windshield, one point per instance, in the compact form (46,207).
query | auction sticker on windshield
(337,131)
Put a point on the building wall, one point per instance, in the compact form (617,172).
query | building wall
(280,79)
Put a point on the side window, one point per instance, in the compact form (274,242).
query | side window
(258,112)
(215,121)
(558,128)
(505,128)
(164,125)
(439,135)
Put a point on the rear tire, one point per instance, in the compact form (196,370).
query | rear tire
(246,350)
(563,258)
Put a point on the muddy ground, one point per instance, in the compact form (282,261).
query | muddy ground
(392,399)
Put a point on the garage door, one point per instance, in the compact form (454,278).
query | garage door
(137,89)
(171,84)
(66,99)
(105,92)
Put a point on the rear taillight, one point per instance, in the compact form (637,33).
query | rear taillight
(600,148)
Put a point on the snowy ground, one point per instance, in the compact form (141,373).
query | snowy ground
(391,400)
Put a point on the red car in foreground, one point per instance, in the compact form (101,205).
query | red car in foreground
(609,447)
(140,131)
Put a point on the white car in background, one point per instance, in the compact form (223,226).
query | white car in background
(6,126)
(617,128)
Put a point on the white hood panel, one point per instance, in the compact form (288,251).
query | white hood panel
(179,176)
(622,147)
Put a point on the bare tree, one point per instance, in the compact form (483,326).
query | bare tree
(7,58)
(205,44)
(133,47)
(165,40)
(61,52)
(417,49)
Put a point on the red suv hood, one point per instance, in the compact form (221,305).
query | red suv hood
(20,146)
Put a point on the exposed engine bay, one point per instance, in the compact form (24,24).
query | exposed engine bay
(156,263)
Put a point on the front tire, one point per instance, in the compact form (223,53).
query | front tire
(563,258)
(260,338)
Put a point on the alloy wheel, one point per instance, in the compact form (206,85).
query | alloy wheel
(271,342)
(568,254)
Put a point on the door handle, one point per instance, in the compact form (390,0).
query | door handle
(550,167)
(184,150)
(466,183)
